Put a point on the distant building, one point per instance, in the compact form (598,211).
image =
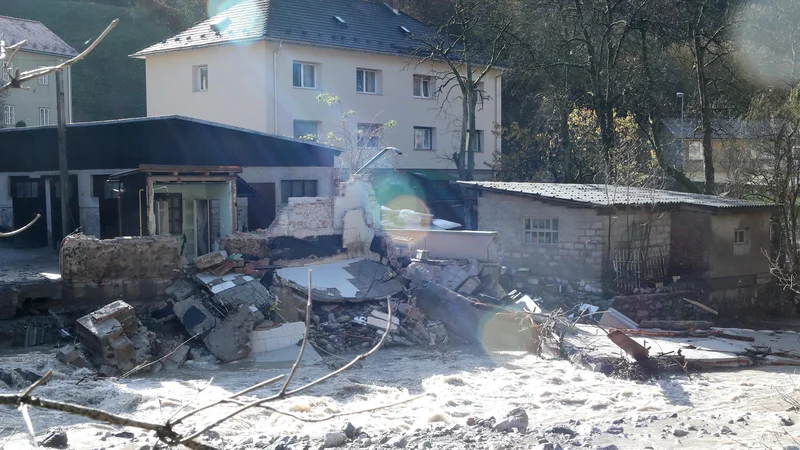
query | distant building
(262,63)
(35,106)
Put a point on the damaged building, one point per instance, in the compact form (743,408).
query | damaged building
(173,175)
(618,240)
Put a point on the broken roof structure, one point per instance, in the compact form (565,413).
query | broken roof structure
(350,280)
(367,26)
(606,195)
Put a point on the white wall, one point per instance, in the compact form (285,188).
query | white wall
(242,93)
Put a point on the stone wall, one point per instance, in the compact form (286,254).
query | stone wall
(304,217)
(133,268)
(578,253)
(254,244)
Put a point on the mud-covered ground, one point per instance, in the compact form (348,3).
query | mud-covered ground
(566,406)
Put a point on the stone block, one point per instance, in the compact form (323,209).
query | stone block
(411,312)
(210,259)
(194,316)
(251,244)
(180,290)
(177,358)
(230,340)
(122,312)
(71,356)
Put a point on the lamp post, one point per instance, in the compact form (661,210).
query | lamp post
(680,96)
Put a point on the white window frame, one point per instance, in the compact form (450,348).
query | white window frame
(44,113)
(741,241)
(479,147)
(361,76)
(200,84)
(9,115)
(540,231)
(44,80)
(294,129)
(425,145)
(423,80)
(303,68)
(6,66)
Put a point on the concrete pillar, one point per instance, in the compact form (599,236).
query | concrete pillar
(48,211)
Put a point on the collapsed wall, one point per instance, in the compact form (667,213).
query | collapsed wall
(138,269)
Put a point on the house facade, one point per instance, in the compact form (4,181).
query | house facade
(262,64)
(35,106)
(184,177)
(616,240)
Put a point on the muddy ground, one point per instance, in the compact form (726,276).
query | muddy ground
(566,406)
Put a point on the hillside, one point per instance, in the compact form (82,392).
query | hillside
(107,84)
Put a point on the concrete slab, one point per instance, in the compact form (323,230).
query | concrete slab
(286,356)
(349,280)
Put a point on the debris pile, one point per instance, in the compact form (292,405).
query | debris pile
(468,277)
(114,338)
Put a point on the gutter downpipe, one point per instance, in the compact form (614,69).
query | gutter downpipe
(275,86)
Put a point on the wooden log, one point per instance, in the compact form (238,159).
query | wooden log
(676,325)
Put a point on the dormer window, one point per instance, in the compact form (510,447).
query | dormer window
(340,20)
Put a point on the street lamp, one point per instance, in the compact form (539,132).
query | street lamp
(377,157)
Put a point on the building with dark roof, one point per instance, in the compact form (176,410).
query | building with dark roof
(736,144)
(621,240)
(160,168)
(37,105)
(262,65)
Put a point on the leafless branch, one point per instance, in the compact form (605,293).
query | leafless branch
(17,78)
(18,231)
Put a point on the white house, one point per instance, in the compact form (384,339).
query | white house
(261,64)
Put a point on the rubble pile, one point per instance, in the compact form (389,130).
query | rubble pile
(468,277)
(114,338)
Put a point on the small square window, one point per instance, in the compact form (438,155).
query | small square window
(423,138)
(370,135)
(540,231)
(304,75)
(423,86)
(9,115)
(366,81)
(200,78)
(741,236)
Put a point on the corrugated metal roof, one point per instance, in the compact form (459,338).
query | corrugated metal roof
(40,38)
(605,195)
(368,26)
(721,129)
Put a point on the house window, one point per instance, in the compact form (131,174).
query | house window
(695,151)
(369,135)
(26,189)
(423,86)
(304,75)
(169,213)
(423,138)
(297,188)
(306,129)
(741,241)
(366,81)
(9,115)
(200,78)
(44,80)
(8,67)
(44,116)
(540,231)
(478,136)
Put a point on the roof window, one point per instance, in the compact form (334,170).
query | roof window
(404,29)
(219,24)
(340,20)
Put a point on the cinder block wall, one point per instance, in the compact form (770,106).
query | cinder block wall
(578,255)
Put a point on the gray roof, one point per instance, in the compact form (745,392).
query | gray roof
(369,26)
(40,38)
(605,195)
(721,128)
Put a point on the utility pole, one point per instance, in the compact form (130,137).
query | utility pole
(62,153)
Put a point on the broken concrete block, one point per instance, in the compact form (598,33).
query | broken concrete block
(470,286)
(210,259)
(615,319)
(385,317)
(380,324)
(122,312)
(410,311)
(180,290)
(194,316)
(71,356)
(177,358)
(285,335)
(248,293)
(230,340)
